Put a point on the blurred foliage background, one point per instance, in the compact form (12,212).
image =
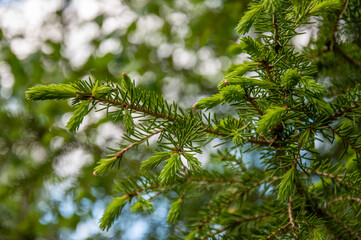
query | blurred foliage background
(177,48)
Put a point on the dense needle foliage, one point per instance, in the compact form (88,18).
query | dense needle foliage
(279,110)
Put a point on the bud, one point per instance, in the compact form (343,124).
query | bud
(195,105)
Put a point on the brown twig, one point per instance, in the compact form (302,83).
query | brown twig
(343,111)
(217,180)
(278,231)
(120,153)
(253,104)
(344,198)
(267,68)
(275,33)
(290,216)
(138,191)
(155,196)
(337,178)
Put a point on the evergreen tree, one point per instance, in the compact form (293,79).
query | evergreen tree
(281,112)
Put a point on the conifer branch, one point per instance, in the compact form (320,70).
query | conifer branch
(267,69)
(298,153)
(120,153)
(343,112)
(238,221)
(129,106)
(346,140)
(171,118)
(253,103)
(337,178)
(343,199)
(234,197)
(339,221)
(156,195)
(138,191)
(278,231)
(223,229)
(216,180)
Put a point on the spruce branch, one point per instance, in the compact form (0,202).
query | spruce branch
(347,141)
(116,206)
(216,180)
(343,198)
(342,224)
(280,111)
(82,109)
(238,221)
(156,195)
(343,111)
(175,208)
(51,91)
(172,118)
(120,154)
(248,19)
(267,68)
(230,200)
(107,163)
(138,191)
(337,178)
(253,103)
(278,231)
